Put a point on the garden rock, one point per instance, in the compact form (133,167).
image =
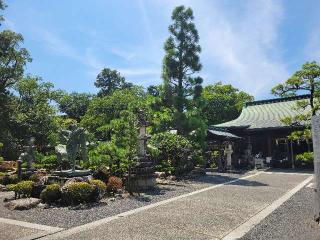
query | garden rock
(171,178)
(22,204)
(160,174)
(75,179)
(2,188)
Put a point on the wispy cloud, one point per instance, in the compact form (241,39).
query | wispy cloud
(240,45)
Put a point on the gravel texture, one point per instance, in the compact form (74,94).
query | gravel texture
(66,218)
(292,220)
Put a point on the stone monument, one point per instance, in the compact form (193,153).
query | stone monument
(29,154)
(74,144)
(142,174)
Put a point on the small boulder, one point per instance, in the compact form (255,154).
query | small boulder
(171,178)
(22,204)
(160,174)
(2,188)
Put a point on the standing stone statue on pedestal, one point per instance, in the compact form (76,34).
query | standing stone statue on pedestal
(228,153)
(29,153)
(73,141)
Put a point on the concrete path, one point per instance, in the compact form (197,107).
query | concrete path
(225,211)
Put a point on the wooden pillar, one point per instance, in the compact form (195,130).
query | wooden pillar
(269,146)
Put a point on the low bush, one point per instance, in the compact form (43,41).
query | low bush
(99,189)
(77,192)
(11,187)
(24,188)
(51,193)
(103,174)
(173,151)
(36,177)
(114,184)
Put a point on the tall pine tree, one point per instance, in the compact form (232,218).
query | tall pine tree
(180,63)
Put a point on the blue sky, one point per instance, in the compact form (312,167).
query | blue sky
(252,44)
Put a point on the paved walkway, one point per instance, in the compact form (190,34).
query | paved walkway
(223,211)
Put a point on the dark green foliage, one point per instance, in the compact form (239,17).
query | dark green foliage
(223,103)
(51,193)
(77,192)
(9,179)
(180,62)
(173,152)
(109,81)
(75,104)
(102,174)
(114,184)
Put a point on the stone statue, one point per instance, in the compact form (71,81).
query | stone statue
(29,153)
(74,140)
(228,152)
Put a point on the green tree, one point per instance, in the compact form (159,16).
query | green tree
(223,103)
(103,110)
(305,80)
(75,104)
(13,59)
(110,80)
(2,7)
(180,63)
(34,113)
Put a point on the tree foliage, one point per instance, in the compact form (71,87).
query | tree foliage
(75,104)
(110,80)
(223,103)
(305,80)
(180,63)
(34,115)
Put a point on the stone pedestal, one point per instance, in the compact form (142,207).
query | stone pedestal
(142,176)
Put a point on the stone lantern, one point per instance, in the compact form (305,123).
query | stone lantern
(142,174)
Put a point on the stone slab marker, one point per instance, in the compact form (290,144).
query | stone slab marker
(316,151)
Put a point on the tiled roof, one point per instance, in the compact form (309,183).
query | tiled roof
(266,113)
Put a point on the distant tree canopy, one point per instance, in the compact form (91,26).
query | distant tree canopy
(75,104)
(223,103)
(110,80)
(180,63)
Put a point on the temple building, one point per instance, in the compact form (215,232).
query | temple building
(260,130)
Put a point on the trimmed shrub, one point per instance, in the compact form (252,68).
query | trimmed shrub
(51,193)
(114,184)
(77,192)
(11,187)
(99,188)
(24,188)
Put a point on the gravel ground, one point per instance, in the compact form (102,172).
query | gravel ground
(292,220)
(66,218)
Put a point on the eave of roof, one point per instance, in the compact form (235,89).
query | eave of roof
(223,134)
